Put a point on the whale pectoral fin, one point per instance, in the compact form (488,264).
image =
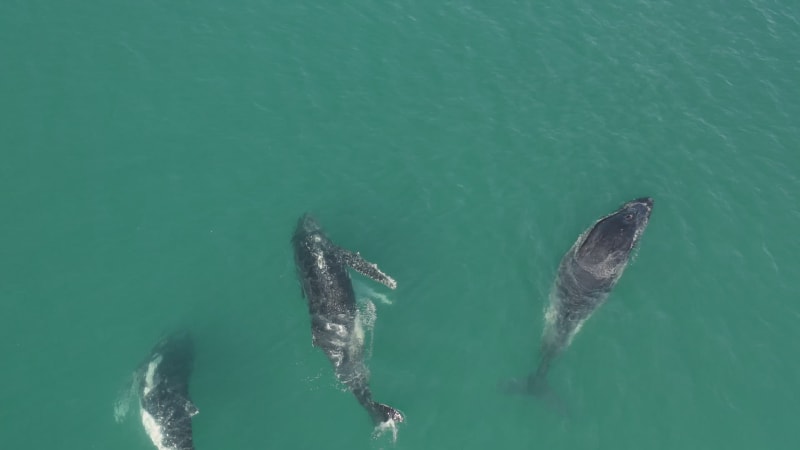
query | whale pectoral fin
(366,268)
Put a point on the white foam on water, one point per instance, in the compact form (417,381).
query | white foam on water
(384,427)
(312,381)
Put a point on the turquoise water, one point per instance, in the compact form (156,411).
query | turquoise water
(157,154)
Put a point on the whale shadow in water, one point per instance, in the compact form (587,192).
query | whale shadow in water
(586,275)
(335,326)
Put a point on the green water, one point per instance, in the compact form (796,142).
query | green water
(156,154)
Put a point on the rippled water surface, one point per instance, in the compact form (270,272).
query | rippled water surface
(156,156)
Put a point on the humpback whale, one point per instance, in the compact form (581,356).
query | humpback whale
(164,402)
(326,285)
(586,275)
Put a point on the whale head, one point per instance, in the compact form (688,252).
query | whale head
(177,346)
(309,224)
(308,232)
(608,244)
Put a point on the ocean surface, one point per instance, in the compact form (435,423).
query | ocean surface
(157,154)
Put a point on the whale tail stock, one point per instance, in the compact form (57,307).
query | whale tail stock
(537,386)
(540,388)
(534,384)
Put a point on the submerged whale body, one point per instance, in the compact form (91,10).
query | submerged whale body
(322,271)
(165,406)
(586,275)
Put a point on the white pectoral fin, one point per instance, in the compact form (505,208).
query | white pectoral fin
(366,268)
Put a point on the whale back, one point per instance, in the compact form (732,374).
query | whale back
(335,324)
(588,272)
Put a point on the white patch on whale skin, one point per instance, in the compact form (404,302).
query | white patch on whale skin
(154,430)
(320,257)
(151,426)
(339,329)
(149,378)
(336,356)
(336,342)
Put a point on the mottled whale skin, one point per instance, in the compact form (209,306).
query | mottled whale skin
(164,402)
(587,274)
(322,272)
